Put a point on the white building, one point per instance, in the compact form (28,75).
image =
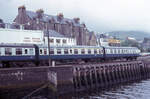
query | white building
(57,39)
(20,36)
(102,40)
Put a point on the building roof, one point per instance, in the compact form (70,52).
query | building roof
(46,18)
(53,33)
(146,40)
(101,36)
(131,38)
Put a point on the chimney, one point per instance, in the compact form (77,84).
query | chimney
(77,20)
(1,21)
(83,24)
(21,9)
(40,13)
(60,16)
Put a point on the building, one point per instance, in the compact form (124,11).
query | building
(20,36)
(68,27)
(102,40)
(106,40)
(114,42)
(2,25)
(12,35)
(146,44)
(130,41)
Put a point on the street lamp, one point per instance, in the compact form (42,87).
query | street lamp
(47,31)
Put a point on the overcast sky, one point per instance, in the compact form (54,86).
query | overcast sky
(98,15)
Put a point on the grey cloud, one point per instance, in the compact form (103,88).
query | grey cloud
(99,15)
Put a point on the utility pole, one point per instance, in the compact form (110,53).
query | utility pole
(47,31)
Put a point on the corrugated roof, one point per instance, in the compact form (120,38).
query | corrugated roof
(53,33)
(31,14)
(101,36)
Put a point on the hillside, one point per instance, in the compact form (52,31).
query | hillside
(139,35)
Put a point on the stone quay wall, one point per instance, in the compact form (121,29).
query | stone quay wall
(72,78)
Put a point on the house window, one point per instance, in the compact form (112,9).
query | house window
(8,51)
(64,41)
(18,51)
(51,40)
(57,40)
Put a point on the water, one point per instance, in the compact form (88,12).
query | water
(138,90)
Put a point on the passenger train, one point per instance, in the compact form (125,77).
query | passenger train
(23,54)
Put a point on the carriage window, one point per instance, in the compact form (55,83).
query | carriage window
(0,51)
(41,51)
(18,51)
(45,51)
(52,51)
(65,51)
(31,51)
(95,51)
(70,51)
(8,51)
(82,51)
(111,51)
(118,51)
(100,51)
(57,40)
(58,51)
(89,51)
(75,51)
(26,51)
(122,50)
(115,51)
(129,51)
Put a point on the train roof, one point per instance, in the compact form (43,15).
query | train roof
(71,46)
(121,47)
(16,45)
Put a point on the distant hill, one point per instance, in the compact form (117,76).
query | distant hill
(139,35)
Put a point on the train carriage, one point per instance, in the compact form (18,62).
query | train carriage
(12,53)
(121,52)
(22,54)
(71,52)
